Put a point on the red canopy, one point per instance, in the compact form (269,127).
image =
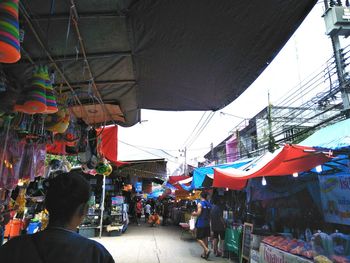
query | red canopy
(285,161)
(108,144)
(176,178)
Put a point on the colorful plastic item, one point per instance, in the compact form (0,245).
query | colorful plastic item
(41,98)
(13,228)
(51,103)
(104,168)
(10,51)
(36,102)
(58,122)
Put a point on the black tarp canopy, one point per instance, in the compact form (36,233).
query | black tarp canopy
(157,54)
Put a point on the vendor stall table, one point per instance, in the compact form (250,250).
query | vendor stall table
(269,254)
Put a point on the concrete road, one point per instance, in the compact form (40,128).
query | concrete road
(161,244)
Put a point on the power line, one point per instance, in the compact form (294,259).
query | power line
(194,129)
(139,148)
(311,108)
(201,129)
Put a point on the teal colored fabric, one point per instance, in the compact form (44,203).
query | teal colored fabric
(333,137)
(199,174)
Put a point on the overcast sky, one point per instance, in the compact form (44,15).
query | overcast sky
(304,54)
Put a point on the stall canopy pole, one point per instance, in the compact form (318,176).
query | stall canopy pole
(102,203)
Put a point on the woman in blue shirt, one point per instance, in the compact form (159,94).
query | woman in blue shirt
(203,224)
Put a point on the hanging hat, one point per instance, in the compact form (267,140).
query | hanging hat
(36,98)
(9,32)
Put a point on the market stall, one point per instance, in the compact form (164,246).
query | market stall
(300,217)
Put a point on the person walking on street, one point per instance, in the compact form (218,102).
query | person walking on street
(165,212)
(138,210)
(218,226)
(203,224)
(147,211)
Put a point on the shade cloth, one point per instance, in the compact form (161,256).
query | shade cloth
(158,54)
(335,136)
(155,194)
(284,161)
(175,179)
(200,174)
(202,54)
(108,144)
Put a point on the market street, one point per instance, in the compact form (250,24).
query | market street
(162,244)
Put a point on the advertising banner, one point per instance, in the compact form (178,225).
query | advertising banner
(138,187)
(335,192)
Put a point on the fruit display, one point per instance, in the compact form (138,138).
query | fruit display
(293,246)
(323,248)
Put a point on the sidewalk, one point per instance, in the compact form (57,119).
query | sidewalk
(160,244)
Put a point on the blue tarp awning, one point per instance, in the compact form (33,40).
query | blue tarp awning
(155,194)
(199,174)
(335,137)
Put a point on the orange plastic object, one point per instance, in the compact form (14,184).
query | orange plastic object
(13,228)
(9,54)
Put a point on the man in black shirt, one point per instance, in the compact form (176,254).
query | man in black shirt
(66,201)
(218,226)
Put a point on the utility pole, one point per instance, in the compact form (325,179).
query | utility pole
(185,155)
(238,145)
(271,144)
(339,60)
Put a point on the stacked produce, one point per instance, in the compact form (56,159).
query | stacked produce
(293,246)
(323,248)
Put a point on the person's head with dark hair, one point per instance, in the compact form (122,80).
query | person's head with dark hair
(67,200)
(204,195)
(215,200)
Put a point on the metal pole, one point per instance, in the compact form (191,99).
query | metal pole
(340,72)
(340,68)
(185,155)
(212,152)
(326,4)
(102,203)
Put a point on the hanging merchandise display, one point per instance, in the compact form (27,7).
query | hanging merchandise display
(35,100)
(66,142)
(40,98)
(104,168)
(9,32)
(58,122)
(13,153)
(51,101)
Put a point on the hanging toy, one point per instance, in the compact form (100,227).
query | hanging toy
(87,170)
(104,168)
(58,122)
(9,32)
(35,101)
(51,103)
(66,165)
